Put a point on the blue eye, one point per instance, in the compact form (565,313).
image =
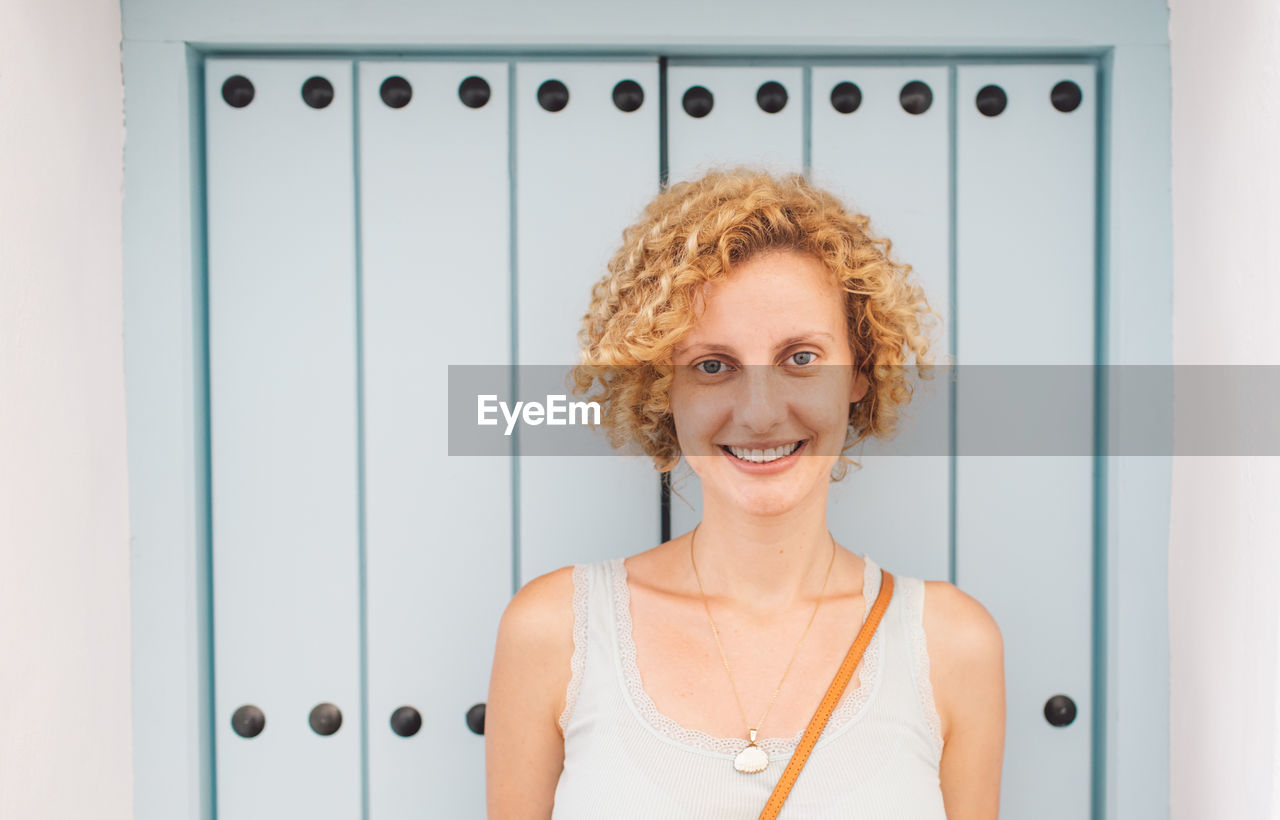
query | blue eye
(718,364)
(808,353)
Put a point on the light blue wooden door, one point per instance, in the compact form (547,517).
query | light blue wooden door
(361,240)
(284,424)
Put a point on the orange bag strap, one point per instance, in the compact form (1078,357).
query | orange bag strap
(828,705)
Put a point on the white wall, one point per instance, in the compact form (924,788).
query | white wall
(1224,555)
(64,540)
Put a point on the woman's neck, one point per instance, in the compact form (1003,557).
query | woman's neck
(763,564)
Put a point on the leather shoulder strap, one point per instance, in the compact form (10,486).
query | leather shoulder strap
(828,705)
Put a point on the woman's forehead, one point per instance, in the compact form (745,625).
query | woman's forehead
(783,295)
(782,285)
(771,324)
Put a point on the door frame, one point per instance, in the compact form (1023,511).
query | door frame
(166,379)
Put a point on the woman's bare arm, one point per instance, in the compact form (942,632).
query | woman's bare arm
(966,670)
(523,747)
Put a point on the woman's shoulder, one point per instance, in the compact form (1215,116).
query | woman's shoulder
(951,616)
(541,605)
(535,635)
(546,602)
(958,622)
(966,649)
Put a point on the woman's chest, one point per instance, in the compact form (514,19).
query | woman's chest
(778,671)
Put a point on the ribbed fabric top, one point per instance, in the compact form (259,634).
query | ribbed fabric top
(877,757)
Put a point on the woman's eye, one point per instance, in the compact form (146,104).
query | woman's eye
(714,365)
(807,353)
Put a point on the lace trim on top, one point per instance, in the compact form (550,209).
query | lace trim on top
(850,705)
(913,599)
(581,591)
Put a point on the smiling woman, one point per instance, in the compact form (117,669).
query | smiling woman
(752,327)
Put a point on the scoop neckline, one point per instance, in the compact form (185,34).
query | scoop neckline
(852,704)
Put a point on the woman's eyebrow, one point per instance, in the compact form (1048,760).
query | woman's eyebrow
(807,337)
(799,338)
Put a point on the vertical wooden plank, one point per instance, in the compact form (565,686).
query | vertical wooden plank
(1025,300)
(435,272)
(892,163)
(283,416)
(584,172)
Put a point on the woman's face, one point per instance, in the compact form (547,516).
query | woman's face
(767,366)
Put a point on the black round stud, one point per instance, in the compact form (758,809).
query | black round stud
(317,92)
(475,718)
(396,92)
(325,719)
(991,100)
(406,721)
(915,97)
(237,91)
(1066,96)
(474,92)
(1060,710)
(771,97)
(553,96)
(846,97)
(697,102)
(248,721)
(628,95)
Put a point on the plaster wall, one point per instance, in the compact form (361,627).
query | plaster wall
(1224,550)
(65,727)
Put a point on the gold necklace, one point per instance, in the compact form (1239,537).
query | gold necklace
(753,758)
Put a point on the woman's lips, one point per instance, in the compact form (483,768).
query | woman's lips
(765,467)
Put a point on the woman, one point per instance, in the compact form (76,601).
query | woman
(751,326)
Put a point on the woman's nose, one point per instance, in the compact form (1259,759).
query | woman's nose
(762,403)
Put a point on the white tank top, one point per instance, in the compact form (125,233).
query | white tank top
(877,757)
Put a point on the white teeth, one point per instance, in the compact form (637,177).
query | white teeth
(764,456)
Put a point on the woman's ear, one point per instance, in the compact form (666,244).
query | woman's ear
(859,387)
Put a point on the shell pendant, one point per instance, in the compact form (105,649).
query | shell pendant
(751,759)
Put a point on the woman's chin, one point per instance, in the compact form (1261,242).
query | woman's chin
(769,507)
(766,495)
(779,499)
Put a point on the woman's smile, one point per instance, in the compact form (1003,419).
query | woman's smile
(764,460)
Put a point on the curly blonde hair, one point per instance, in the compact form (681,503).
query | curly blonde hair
(695,233)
